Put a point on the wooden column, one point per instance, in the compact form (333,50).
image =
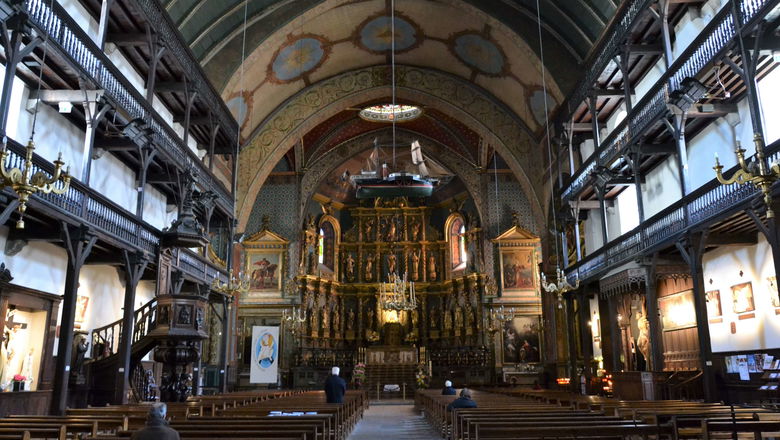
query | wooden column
(78,242)
(571,341)
(651,300)
(692,251)
(14,53)
(614,334)
(134,266)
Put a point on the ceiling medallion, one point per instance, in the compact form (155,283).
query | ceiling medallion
(391,113)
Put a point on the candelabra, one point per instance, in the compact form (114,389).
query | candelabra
(758,172)
(561,285)
(24,182)
(397,294)
(497,318)
(234,285)
(294,319)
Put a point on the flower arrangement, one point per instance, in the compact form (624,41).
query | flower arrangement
(372,336)
(359,374)
(18,382)
(422,376)
(19,378)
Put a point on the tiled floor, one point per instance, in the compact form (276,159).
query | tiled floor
(391,422)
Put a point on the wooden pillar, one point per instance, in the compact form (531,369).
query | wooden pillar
(571,342)
(78,242)
(223,351)
(14,53)
(156,50)
(146,154)
(586,333)
(105,11)
(94,111)
(614,334)
(656,336)
(692,251)
(134,266)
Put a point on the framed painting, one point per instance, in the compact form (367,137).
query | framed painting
(517,269)
(773,294)
(520,340)
(677,311)
(82,302)
(265,270)
(742,297)
(714,307)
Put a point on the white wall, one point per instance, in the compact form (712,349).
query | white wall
(592,231)
(662,187)
(116,181)
(722,268)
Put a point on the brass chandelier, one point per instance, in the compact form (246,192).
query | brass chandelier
(234,285)
(397,294)
(759,173)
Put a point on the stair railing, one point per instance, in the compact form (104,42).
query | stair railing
(105,340)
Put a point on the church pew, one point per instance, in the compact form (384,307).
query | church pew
(34,432)
(466,420)
(756,427)
(100,423)
(573,431)
(23,436)
(322,422)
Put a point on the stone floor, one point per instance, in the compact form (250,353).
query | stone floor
(391,422)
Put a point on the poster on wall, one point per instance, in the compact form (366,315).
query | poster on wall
(677,311)
(521,340)
(742,296)
(265,355)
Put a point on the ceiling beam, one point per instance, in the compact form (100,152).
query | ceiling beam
(734,239)
(128,39)
(715,110)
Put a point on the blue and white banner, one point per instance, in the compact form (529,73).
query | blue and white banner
(265,355)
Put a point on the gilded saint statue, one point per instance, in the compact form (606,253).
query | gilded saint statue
(469,316)
(415,265)
(447,320)
(368,228)
(431,268)
(458,318)
(325,318)
(415,318)
(337,319)
(350,267)
(369,275)
(370,318)
(433,322)
(391,260)
(350,319)
(414,230)
(392,230)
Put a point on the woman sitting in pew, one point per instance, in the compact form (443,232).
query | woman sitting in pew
(464,401)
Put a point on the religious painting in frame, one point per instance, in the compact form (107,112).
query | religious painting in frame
(518,252)
(677,311)
(520,340)
(714,306)
(264,265)
(772,289)
(82,302)
(742,297)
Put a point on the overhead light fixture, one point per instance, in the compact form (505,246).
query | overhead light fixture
(65,107)
(389,113)
(690,92)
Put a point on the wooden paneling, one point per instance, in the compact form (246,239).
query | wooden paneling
(25,402)
(681,347)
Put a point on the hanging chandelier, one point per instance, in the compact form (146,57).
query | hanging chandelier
(397,294)
(497,317)
(294,319)
(234,285)
(561,284)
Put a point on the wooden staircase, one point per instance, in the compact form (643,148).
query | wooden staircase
(387,374)
(104,363)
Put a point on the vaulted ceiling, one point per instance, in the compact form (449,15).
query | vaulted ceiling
(310,65)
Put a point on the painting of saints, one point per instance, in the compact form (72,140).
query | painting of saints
(264,272)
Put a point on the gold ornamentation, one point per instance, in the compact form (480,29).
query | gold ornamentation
(24,182)
(758,172)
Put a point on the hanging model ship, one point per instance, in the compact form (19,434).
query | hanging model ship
(419,181)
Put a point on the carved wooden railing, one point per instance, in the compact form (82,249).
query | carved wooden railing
(167,30)
(709,203)
(142,385)
(197,266)
(604,51)
(711,44)
(74,44)
(105,340)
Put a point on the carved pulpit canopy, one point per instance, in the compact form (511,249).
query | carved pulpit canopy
(519,252)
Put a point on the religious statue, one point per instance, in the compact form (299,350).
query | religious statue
(415,318)
(325,318)
(469,316)
(431,268)
(350,319)
(474,263)
(392,229)
(458,318)
(414,230)
(433,321)
(370,319)
(315,321)
(447,320)
(350,267)
(369,276)
(184,315)
(643,340)
(368,227)
(391,259)
(415,265)
(336,319)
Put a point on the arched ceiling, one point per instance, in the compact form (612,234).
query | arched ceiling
(213,28)
(310,65)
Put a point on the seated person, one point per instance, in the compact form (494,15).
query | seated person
(448,390)
(156,426)
(464,401)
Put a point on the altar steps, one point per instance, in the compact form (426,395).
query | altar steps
(389,374)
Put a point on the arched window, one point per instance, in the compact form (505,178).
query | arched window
(321,247)
(327,245)
(457,239)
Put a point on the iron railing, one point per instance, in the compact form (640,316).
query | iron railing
(68,37)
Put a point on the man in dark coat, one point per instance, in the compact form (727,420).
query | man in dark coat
(156,426)
(448,390)
(335,387)
(464,401)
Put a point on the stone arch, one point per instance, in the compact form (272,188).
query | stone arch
(454,96)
